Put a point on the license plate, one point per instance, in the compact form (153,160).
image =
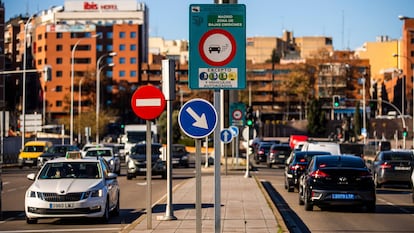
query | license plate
(175,161)
(142,169)
(29,161)
(347,196)
(281,156)
(61,205)
(402,168)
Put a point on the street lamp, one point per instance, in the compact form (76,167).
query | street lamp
(24,79)
(71,83)
(80,110)
(98,87)
(410,61)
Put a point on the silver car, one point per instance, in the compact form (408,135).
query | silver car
(72,187)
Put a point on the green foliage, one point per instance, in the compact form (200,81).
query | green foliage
(357,120)
(316,118)
(176,130)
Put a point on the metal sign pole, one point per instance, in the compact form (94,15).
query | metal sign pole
(149,176)
(217,179)
(198,184)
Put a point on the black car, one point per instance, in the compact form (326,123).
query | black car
(55,151)
(296,165)
(262,151)
(180,155)
(278,154)
(332,180)
(393,167)
(137,162)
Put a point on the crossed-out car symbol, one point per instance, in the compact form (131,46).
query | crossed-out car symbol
(214,48)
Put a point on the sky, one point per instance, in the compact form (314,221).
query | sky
(350,23)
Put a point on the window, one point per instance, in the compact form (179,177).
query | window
(133,73)
(122,47)
(109,74)
(59,35)
(39,62)
(122,60)
(133,47)
(121,34)
(109,35)
(109,47)
(58,88)
(59,74)
(59,47)
(133,60)
(59,60)
(58,103)
(39,37)
(122,73)
(133,34)
(99,47)
(39,49)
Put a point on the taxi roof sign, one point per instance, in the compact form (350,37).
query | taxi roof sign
(73,155)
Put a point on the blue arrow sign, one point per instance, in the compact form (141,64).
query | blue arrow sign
(197,118)
(234,130)
(226,135)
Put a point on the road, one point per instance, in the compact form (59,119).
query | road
(394,213)
(395,210)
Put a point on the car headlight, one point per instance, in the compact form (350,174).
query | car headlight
(131,163)
(112,162)
(185,157)
(31,194)
(94,193)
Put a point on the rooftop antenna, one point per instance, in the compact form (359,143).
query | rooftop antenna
(343,24)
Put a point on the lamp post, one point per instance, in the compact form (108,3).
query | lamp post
(80,110)
(98,87)
(71,83)
(24,79)
(410,61)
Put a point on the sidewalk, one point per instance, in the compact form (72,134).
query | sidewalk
(244,208)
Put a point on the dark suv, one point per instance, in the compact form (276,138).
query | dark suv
(180,155)
(278,154)
(137,162)
(262,151)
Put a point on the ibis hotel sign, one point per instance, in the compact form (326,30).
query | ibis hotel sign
(217,46)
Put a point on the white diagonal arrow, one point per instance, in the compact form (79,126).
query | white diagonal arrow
(200,121)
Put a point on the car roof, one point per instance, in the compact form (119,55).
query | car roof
(338,160)
(99,148)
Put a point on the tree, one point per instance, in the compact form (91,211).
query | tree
(299,82)
(316,119)
(357,121)
(176,130)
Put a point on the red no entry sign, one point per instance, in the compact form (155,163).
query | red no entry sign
(148,102)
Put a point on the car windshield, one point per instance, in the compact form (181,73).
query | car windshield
(141,149)
(397,156)
(62,170)
(335,161)
(33,148)
(96,153)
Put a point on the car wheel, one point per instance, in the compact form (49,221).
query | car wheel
(105,216)
(115,211)
(129,176)
(377,185)
(290,189)
(31,220)
(371,206)
(269,165)
(301,202)
(286,184)
(164,175)
(308,203)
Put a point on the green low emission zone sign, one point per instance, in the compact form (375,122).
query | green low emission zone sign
(217,46)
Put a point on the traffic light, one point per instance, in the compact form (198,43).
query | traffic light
(405,133)
(335,101)
(249,116)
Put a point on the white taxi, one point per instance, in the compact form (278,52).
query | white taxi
(72,187)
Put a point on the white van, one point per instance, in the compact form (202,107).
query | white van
(331,147)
